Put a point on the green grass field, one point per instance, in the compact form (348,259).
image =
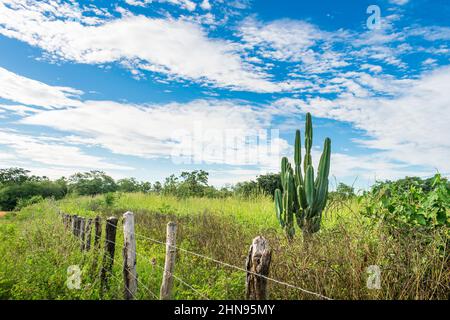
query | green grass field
(36,251)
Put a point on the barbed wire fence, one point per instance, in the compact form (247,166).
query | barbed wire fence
(256,267)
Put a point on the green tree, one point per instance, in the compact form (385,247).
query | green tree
(170,185)
(268,183)
(194,183)
(13,176)
(246,189)
(91,183)
(344,191)
(128,185)
(145,187)
(157,187)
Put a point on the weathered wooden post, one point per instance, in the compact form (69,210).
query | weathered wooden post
(64,220)
(75,225)
(87,243)
(67,221)
(108,257)
(72,218)
(98,231)
(258,262)
(129,256)
(169,265)
(82,231)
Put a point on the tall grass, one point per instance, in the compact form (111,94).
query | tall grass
(36,251)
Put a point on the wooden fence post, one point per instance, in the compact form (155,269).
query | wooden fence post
(67,221)
(108,257)
(81,234)
(98,231)
(258,261)
(129,256)
(75,225)
(64,220)
(167,282)
(87,243)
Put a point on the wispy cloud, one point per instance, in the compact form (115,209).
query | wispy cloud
(205,131)
(177,48)
(31,92)
(410,127)
(50,152)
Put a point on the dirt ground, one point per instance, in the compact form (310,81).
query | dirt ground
(3,213)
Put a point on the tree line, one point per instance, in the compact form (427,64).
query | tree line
(18,188)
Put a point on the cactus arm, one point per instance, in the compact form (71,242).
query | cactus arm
(298,159)
(308,142)
(298,149)
(279,206)
(302,197)
(284,162)
(291,194)
(302,203)
(324,163)
(322,176)
(309,186)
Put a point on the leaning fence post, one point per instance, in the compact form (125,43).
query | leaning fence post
(64,220)
(129,256)
(108,257)
(75,225)
(71,227)
(87,243)
(78,229)
(167,282)
(258,262)
(81,234)
(67,221)
(98,231)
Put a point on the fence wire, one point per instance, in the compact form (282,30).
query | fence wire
(215,261)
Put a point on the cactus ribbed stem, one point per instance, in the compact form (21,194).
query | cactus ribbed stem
(301,196)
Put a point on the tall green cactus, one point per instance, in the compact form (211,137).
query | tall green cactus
(302,197)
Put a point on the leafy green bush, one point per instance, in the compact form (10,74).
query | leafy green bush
(10,195)
(410,202)
(109,199)
(22,203)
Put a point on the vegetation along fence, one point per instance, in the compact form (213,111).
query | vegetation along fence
(257,264)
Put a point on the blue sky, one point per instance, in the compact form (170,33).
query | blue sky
(149,88)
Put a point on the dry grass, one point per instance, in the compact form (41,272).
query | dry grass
(413,265)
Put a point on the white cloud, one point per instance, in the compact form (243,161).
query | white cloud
(206,131)
(286,40)
(410,128)
(430,33)
(48,152)
(184,4)
(31,92)
(205,5)
(399,2)
(429,62)
(371,67)
(18,109)
(176,48)
(293,41)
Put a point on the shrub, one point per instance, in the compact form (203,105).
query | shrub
(410,202)
(109,199)
(10,194)
(22,203)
